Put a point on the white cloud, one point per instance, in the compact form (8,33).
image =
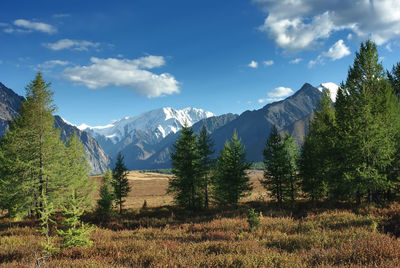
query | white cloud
(295,61)
(337,51)
(297,25)
(131,74)
(52,63)
(80,45)
(268,62)
(61,15)
(277,94)
(253,64)
(35,26)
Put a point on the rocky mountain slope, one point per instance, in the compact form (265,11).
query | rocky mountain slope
(10,102)
(139,137)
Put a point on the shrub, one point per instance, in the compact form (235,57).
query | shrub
(253,218)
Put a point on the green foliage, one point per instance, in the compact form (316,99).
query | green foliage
(77,233)
(32,155)
(280,161)
(231,181)
(46,211)
(367,111)
(205,145)
(253,219)
(104,203)
(120,182)
(317,163)
(187,184)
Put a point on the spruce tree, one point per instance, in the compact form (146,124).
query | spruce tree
(231,181)
(366,108)
(274,176)
(187,184)
(120,182)
(205,145)
(104,204)
(280,166)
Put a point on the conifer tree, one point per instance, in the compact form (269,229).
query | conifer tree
(120,182)
(231,181)
(77,232)
(280,166)
(274,176)
(365,110)
(104,204)
(205,145)
(32,154)
(187,185)
(77,173)
(317,163)
(291,155)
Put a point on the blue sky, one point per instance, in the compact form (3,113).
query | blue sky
(111,59)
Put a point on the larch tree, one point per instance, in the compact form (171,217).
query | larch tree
(317,163)
(32,154)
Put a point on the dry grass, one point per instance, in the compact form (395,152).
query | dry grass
(168,237)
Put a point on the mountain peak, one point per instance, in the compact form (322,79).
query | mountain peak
(160,121)
(332,87)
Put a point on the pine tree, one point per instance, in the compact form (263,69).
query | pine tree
(317,163)
(394,78)
(231,181)
(187,184)
(365,109)
(120,182)
(104,204)
(32,154)
(205,145)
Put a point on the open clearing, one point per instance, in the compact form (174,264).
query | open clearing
(153,187)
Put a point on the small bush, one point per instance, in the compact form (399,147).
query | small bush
(253,218)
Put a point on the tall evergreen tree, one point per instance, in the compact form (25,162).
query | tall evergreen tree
(120,182)
(317,163)
(280,166)
(187,184)
(394,78)
(205,145)
(231,181)
(291,154)
(365,110)
(274,177)
(32,154)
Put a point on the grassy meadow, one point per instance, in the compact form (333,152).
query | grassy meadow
(161,235)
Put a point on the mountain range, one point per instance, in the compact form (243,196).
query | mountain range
(10,103)
(146,140)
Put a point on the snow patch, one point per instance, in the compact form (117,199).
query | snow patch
(332,87)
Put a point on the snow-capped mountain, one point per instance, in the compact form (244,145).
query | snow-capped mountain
(138,137)
(161,122)
(332,87)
